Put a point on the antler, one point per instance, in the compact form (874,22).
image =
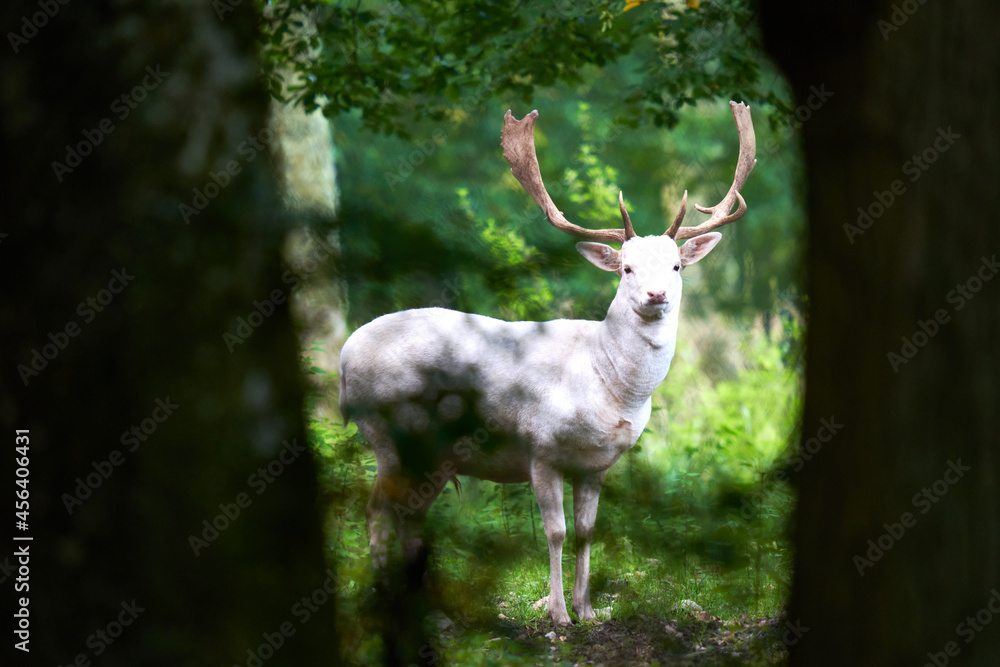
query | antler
(721,212)
(518,143)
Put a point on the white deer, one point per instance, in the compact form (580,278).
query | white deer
(439,393)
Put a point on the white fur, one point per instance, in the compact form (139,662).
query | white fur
(535,401)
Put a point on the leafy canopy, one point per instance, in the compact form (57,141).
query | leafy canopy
(404,61)
(418,90)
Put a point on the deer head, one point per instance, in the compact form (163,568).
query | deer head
(649,266)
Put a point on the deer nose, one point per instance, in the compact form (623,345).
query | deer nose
(657,297)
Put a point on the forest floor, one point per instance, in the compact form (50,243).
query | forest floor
(679,575)
(694,639)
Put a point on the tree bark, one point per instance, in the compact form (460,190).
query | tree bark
(154,414)
(897,530)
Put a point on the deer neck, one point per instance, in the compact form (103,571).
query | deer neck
(633,353)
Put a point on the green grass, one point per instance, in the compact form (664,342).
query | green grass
(689,514)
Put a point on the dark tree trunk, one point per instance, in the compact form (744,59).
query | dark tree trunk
(112,514)
(897,531)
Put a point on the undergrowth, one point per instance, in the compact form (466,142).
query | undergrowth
(690,531)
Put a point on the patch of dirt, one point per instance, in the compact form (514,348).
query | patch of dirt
(645,640)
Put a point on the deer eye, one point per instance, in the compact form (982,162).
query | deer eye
(627,269)
(677,267)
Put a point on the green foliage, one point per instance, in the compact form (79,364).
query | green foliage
(688,514)
(456,220)
(519,288)
(595,71)
(431,215)
(397,62)
(443,223)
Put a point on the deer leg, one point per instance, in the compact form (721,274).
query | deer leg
(379,515)
(410,516)
(548,485)
(586,492)
(388,491)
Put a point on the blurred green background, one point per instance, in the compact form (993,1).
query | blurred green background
(428,214)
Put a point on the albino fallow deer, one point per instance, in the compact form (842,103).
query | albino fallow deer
(439,393)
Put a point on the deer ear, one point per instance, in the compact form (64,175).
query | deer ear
(698,247)
(602,256)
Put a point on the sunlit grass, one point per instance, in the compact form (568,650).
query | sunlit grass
(674,527)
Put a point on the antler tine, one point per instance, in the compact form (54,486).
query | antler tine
(672,232)
(518,143)
(626,221)
(721,212)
